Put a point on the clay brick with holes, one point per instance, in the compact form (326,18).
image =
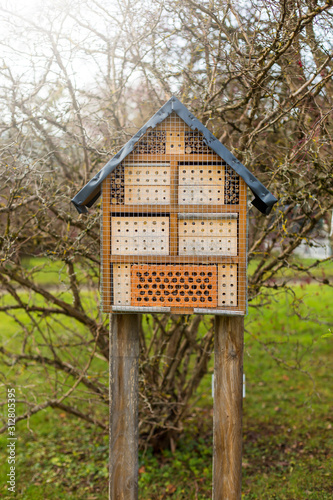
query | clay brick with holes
(174,285)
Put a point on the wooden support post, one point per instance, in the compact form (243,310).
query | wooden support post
(228,393)
(124,362)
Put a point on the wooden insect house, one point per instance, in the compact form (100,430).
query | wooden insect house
(174,220)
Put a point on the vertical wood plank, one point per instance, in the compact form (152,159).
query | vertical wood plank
(174,202)
(242,246)
(123,430)
(106,242)
(228,385)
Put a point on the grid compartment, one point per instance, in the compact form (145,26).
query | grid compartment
(174,285)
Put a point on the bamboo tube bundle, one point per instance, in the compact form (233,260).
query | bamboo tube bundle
(231,187)
(152,143)
(194,143)
(117,191)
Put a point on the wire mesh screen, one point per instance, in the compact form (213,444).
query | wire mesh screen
(174,228)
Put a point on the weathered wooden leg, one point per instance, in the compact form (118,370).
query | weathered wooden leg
(228,385)
(124,361)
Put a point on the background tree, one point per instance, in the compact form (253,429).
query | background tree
(77,80)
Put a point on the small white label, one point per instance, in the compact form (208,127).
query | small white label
(244,392)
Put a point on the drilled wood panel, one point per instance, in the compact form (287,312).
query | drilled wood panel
(140,226)
(139,235)
(196,195)
(175,142)
(227,285)
(205,175)
(208,246)
(140,246)
(147,195)
(207,227)
(121,284)
(176,285)
(145,174)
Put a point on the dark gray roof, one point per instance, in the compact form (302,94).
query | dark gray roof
(263,199)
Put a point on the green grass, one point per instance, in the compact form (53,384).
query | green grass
(288,420)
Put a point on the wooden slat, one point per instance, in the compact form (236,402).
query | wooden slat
(169,157)
(146,209)
(176,259)
(228,311)
(174,216)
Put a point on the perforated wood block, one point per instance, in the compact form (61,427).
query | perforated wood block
(121,284)
(200,195)
(175,143)
(144,174)
(201,184)
(207,227)
(204,175)
(174,285)
(208,246)
(147,195)
(227,285)
(140,235)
